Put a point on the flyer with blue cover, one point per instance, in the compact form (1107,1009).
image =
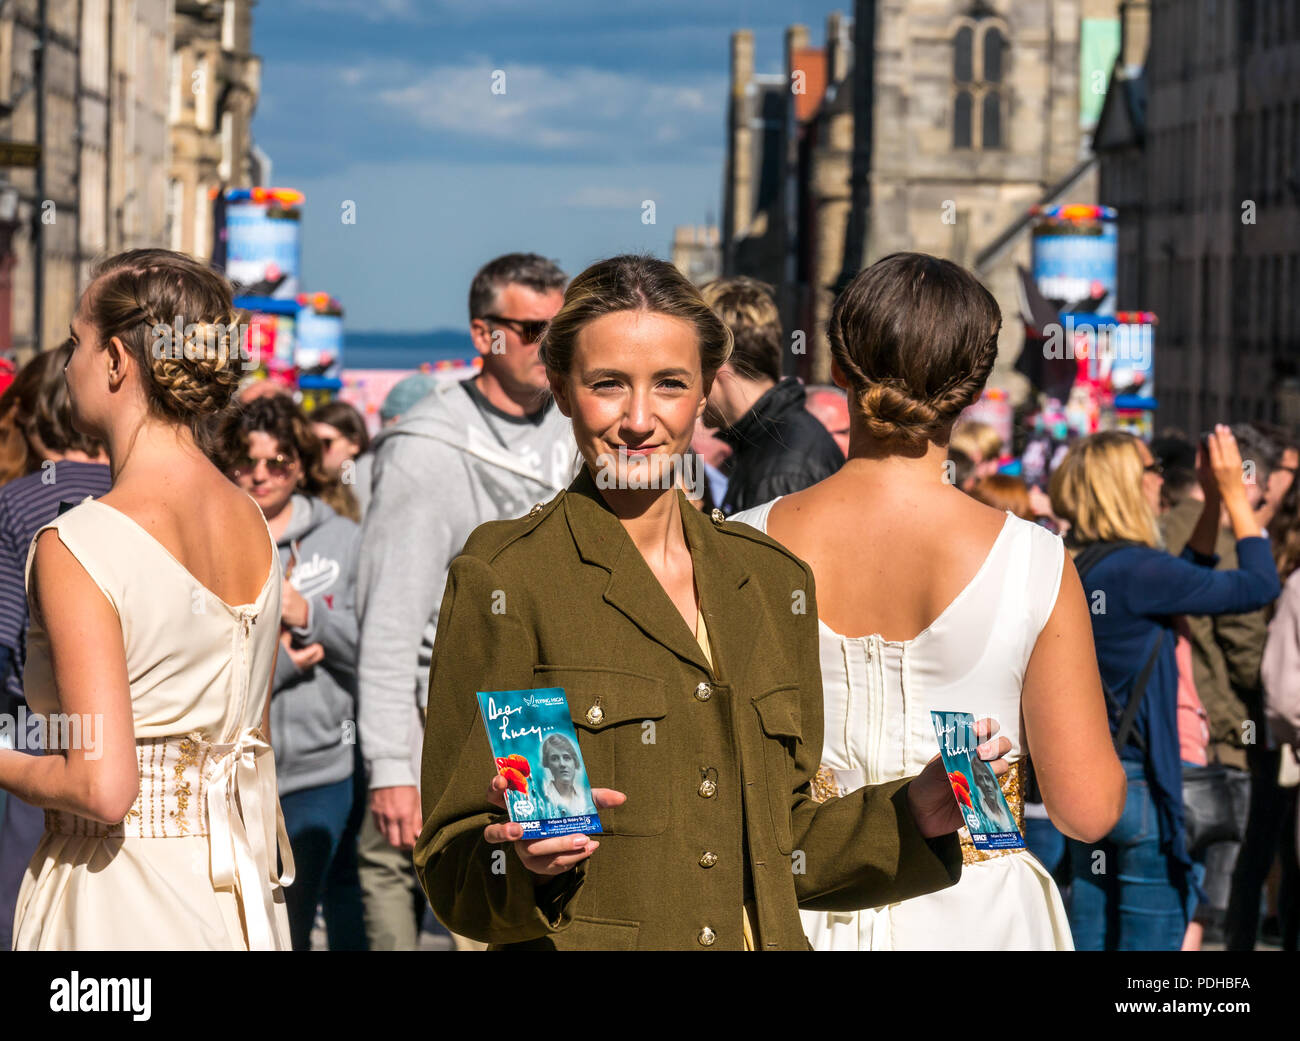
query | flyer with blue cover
(984,807)
(536,751)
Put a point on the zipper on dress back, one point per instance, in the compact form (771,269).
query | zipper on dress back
(247,616)
(876,688)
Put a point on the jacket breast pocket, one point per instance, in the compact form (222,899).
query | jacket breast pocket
(621,722)
(782,730)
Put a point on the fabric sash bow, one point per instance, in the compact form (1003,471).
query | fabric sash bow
(242,833)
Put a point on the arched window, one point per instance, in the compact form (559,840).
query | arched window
(991,121)
(980,46)
(994,44)
(961,120)
(963,63)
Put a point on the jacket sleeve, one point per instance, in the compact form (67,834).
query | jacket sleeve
(864,849)
(477,889)
(1241,639)
(285,672)
(1159,584)
(1280,668)
(335,628)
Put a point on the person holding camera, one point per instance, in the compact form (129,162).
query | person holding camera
(1131,890)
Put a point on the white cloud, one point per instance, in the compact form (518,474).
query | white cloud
(549,108)
(371,10)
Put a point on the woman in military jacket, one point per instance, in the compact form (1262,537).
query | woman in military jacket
(700,747)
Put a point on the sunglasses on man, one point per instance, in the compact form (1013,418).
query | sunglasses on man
(529,330)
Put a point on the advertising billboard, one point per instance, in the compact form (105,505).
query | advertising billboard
(262,241)
(1075,257)
(319,332)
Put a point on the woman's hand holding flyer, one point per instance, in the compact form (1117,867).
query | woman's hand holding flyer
(545,857)
(932,797)
(541,780)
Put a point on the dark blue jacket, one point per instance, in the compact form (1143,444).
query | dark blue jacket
(1134,594)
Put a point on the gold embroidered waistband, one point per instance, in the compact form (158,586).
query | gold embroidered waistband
(225,791)
(174,774)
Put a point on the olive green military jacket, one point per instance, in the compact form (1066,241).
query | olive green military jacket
(716,762)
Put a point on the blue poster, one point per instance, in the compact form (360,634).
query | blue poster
(536,751)
(262,249)
(1075,258)
(974,784)
(319,349)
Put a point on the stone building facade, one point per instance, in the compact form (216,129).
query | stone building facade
(939,125)
(215,82)
(1210,217)
(124,163)
(1119,143)
(696,252)
(76,79)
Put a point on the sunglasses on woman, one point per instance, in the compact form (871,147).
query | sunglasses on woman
(276,467)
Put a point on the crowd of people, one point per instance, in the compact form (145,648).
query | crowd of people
(752,592)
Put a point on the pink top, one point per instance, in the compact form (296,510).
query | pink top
(1193,723)
(1280,669)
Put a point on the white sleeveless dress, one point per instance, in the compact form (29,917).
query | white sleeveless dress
(878,697)
(193,864)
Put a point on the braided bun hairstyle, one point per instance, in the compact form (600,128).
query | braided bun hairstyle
(916,338)
(176,317)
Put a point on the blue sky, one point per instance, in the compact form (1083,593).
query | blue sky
(389,104)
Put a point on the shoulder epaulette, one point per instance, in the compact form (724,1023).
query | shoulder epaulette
(491,537)
(748,531)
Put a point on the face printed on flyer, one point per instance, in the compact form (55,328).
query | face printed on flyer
(535,749)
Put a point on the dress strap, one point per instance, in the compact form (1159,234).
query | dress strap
(77,540)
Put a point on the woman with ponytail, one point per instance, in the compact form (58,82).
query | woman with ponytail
(930,600)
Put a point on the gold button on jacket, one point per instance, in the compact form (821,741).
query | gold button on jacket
(562,598)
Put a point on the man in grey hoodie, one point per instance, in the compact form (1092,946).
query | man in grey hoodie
(485,449)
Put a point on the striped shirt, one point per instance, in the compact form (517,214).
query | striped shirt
(26,504)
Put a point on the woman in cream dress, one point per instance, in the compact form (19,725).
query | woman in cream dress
(879,694)
(154,622)
(929,600)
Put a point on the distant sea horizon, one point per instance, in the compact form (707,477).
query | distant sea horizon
(389,350)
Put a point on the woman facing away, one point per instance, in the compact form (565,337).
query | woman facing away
(930,600)
(154,627)
(1108,488)
(687,649)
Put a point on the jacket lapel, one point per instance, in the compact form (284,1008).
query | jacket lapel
(726,595)
(633,589)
